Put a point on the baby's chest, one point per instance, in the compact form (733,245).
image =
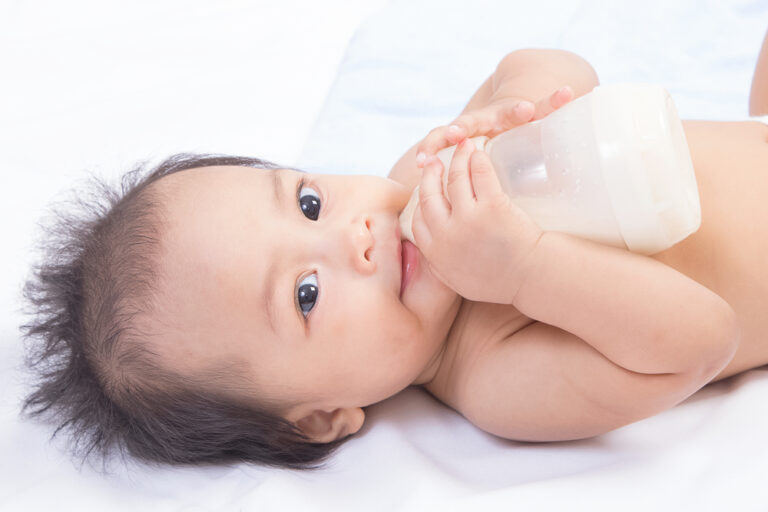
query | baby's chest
(485,323)
(477,328)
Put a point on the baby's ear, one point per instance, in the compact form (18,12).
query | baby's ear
(324,427)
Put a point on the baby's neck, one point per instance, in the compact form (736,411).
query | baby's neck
(439,366)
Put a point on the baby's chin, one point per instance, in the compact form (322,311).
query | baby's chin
(428,297)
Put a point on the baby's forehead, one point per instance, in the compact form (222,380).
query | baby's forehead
(212,178)
(215,229)
(201,196)
(213,203)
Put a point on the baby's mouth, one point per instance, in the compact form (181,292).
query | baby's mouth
(409,256)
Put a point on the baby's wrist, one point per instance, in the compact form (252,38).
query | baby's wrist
(530,266)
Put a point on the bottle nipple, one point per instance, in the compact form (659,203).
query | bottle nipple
(406,216)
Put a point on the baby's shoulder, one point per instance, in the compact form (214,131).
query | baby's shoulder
(542,383)
(478,327)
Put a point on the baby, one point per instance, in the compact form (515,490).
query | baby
(222,309)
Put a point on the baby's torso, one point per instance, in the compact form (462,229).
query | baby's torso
(726,254)
(729,252)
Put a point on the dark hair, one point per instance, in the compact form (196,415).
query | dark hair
(96,376)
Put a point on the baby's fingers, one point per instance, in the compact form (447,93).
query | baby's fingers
(553,102)
(437,139)
(508,113)
(485,182)
(421,235)
(459,186)
(490,120)
(433,204)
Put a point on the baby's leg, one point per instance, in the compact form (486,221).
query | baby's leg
(758,97)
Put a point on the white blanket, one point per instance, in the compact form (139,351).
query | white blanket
(410,67)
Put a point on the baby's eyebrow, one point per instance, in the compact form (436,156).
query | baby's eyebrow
(277,183)
(271,275)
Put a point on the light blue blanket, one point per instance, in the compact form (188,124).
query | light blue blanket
(415,65)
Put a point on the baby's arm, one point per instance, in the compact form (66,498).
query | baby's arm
(531,75)
(640,313)
(619,336)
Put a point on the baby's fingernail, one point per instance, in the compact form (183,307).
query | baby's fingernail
(523,106)
(420,158)
(454,130)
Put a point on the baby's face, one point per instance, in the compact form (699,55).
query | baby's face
(299,280)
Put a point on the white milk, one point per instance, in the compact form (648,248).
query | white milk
(612,166)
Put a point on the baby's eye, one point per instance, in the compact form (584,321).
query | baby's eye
(307,293)
(310,203)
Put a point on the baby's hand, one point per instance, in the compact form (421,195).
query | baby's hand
(502,113)
(475,240)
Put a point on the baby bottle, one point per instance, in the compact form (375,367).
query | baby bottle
(612,166)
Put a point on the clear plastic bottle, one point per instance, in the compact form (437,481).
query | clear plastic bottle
(612,166)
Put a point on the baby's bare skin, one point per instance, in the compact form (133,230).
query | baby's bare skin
(724,255)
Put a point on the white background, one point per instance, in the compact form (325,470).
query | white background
(95,86)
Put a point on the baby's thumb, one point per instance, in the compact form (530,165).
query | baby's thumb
(420,235)
(485,182)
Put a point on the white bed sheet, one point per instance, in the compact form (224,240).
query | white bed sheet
(409,67)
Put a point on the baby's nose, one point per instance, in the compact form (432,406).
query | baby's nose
(359,245)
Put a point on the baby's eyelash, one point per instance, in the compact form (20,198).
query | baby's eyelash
(309,204)
(302,181)
(312,291)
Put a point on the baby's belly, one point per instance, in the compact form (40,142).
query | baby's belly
(728,252)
